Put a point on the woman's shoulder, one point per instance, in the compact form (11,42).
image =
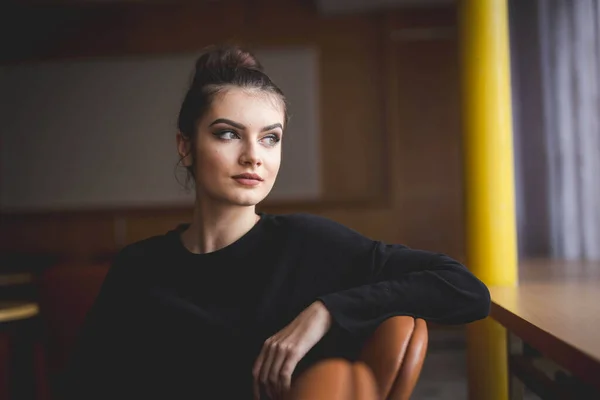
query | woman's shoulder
(143,248)
(319,228)
(141,254)
(306,221)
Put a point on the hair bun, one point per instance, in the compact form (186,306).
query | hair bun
(219,59)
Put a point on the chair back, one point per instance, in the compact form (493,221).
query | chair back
(395,353)
(66,293)
(335,379)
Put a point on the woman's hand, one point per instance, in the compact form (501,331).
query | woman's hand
(281,352)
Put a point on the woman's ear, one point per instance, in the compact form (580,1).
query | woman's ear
(184,148)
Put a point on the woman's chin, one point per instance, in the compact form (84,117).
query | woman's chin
(246,199)
(236,197)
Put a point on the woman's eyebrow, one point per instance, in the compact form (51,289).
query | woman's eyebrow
(228,122)
(269,127)
(240,126)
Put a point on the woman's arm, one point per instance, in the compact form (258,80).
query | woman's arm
(402,281)
(371,282)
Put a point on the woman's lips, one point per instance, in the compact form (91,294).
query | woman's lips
(247,181)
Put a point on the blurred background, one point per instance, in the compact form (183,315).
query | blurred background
(90,91)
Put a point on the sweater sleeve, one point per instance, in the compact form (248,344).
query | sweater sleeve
(397,280)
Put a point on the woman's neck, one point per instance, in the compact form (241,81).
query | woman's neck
(214,228)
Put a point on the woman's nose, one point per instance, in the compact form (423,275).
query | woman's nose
(250,156)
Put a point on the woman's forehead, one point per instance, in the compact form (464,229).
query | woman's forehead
(250,107)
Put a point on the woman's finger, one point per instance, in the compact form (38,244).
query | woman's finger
(270,354)
(256,371)
(289,366)
(281,351)
(287,369)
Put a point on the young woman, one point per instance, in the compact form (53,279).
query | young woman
(235,303)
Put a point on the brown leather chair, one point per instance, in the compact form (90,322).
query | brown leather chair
(66,293)
(395,353)
(388,367)
(390,363)
(335,379)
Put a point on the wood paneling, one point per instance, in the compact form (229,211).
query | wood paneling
(113,29)
(429,185)
(58,233)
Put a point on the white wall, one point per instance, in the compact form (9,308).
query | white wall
(101,133)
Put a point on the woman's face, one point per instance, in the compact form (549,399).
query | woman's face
(238,147)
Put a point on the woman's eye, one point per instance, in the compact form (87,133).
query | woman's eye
(226,135)
(271,140)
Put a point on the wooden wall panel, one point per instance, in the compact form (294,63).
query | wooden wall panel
(429,189)
(141,225)
(113,28)
(68,234)
(352,119)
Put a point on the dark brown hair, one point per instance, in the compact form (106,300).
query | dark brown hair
(217,69)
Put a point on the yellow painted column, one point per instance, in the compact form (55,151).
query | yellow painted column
(489,179)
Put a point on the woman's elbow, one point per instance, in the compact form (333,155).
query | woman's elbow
(481,301)
(478,298)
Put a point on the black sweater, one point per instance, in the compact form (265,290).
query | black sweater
(171,323)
